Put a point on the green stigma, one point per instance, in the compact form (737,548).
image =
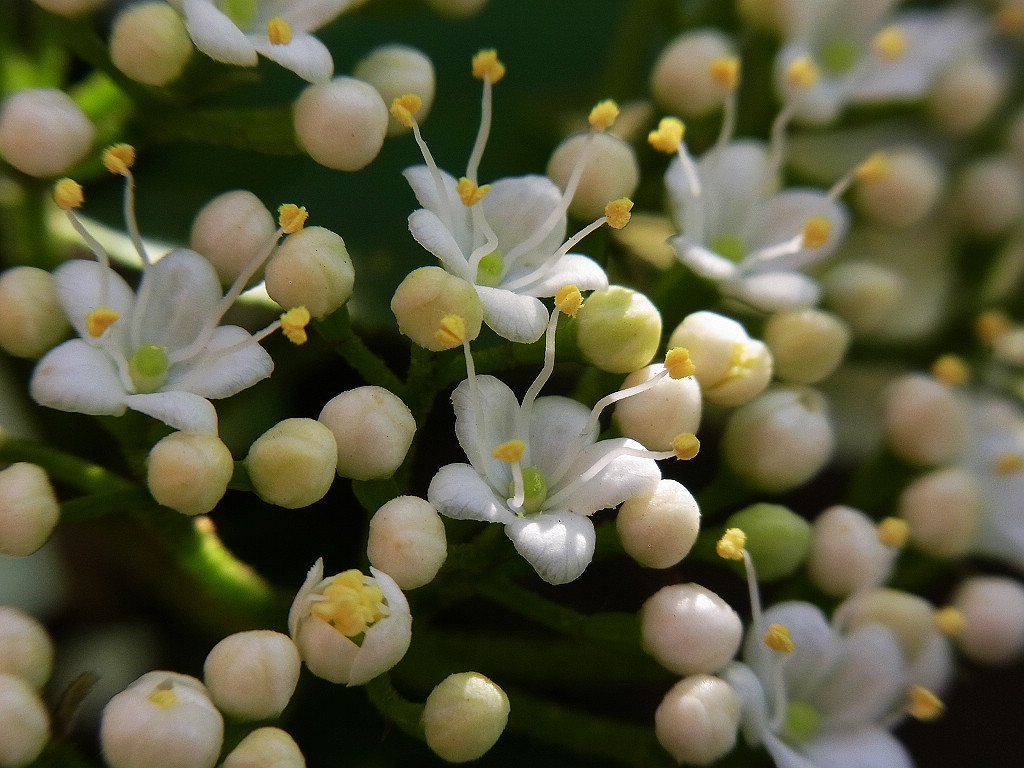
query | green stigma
(488,271)
(730,246)
(148,368)
(535,489)
(838,55)
(242,12)
(802,722)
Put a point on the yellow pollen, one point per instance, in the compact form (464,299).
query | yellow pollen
(278,31)
(990,325)
(893,532)
(469,193)
(67,193)
(568,299)
(924,705)
(487,67)
(404,107)
(816,231)
(802,72)
(603,115)
(119,158)
(617,212)
(875,168)
(450,331)
(949,621)
(667,136)
(350,605)
(101,318)
(725,70)
(777,638)
(512,451)
(891,43)
(163,696)
(730,546)
(1010,18)
(686,445)
(291,218)
(1008,463)
(293,325)
(678,363)
(951,370)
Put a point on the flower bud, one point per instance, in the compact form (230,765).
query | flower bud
(993,611)
(311,269)
(989,195)
(266,748)
(965,95)
(149,43)
(31,317)
(807,345)
(407,541)
(689,629)
(43,132)
(780,16)
(26,723)
(618,329)
(252,675)
(659,530)
(28,509)
(395,70)
(910,617)
(779,440)
(682,80)
(70,7)
(457,9)
(189,472)
(611,172)
(26,650)
(464,716)
(292,464)
(863,294)
(906,192)
(730,366)
(341,123)
(162,720)
(655,416)
(777,538)
(846,555)
(698,719)
(943,509)
(230,229)
(925,424)
(373,430)
(425,297)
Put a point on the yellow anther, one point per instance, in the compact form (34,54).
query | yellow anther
(469,193)
(603,114)
(67,193)
(119,158)
(163,696)
(1010,18)
(730,546)
(293,325)
(777,638)
(350,606)
(816,231)
(512,451)
(951,370)
(617,212)
(725,70)
(893,532)
(278,31)
(990,325)
(404,107)
(891,43)
(668,134)
(875,168)
(101,318)
(291,218)
(451,331)
(678,363)
(949,621)
(802,72)
(924,705)
(568,299)
(1008,463)
(685,445)
(487,67)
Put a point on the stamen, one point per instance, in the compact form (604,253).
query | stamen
(951,370)
(990,325)
(685,446)
(293,325)
(603,115)
(291,218)
(278,31)
(469,193)
(891,43)
(816,231)
(874,169)
(949,621)
(730,546)
(924,705)
(101,318)
(1008,463)
(67,194)
(119,158)
(893,532)
(802,72)
(404,107)
(1010,18)
(777,638)
(725,70)
(522,425)
(163,696)
(678,363)
(616,213)
(510,451)
(486,66)
(451,331)
(666,137)
(350,604)
(568,300)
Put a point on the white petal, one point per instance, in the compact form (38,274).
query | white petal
(782,217)
(817,104)
(430,232)
(754,721)
(559,545)
(216,35)
(77,377)
(184,411)
(521,319)
(704,262)
(301,603)
(214,374)
(386,641)
(437,194)
(304,55)
(176,297)
(82,286)
(784,756)
(457,491)
(867,747)
(582,271)
(733,180)
(309,15)
(556,429)
(624,477)
(817,647)
(774,291)
(327,652)
(485,417)
(516,209)
(932,668)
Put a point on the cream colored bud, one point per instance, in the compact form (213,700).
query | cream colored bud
(292,464)
(906,192)
(395,70)
(26,650)
(31,317)
(266,748)
(407,541)
(910,617)
(779,440)
(698,719)
(341,123)
(28,509)
(863,294)
(26,723)
(611,172)
(189,472)
(252,675)
(429,294)
(149,43)
(655,416)
(689,629)
(681,80)
(731,367)
(659,530)
(965,95)
(464,716)
(162,720)
(618,329)
(457,9)
(230,230)
(993,611)
(43,132)
(373,430)
(943,509)
(807,345)
(311,269)
(925,423)
(846,555)
(989,195)
(779,16)
(70,7)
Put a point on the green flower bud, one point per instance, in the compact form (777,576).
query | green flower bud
(464,716)
(618,329)
(426,297)
(31,317)
(777,538)
(189,472)
(28,509)
(292,464)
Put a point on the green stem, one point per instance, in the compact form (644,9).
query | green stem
(104,503)
(63,467)
(337,331)
(394,707)
(725,491)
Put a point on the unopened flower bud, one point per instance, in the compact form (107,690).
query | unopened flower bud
(905,192)
(611,172)
(311,269)
(162,720)
(70,7)
(26,650)
(395,70)
(31,317)
(682,80)
(807,345)
(618,329)
(26,723)
(864,294)
(341,123)
(910,617)
(28,509)
(230,229)
(292,464)
(698,719)
(457,9)
(659,530)
(43,132)
(965,95)
(777,538)
(252,675)
(655,416)
(989,195)
(846,555)
(407,541)
(373,430)
(425,297)
(189,472)
(688,629)
(266,748)
(925,423)
(464,716)
(993,611)
(149,43)
(943,509)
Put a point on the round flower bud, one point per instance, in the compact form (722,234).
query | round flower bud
(292,464)
(407,541)
(70,7)
(912,621)
(149,43)
(659,530)
(689,629)
(395,70)
(457,9)
(925,423)
(341,123)
(807,345)
(778,539)
(425,297)
(780,16)
(230,230)
(943,509)
(965,95)
(26,650)
(28,509)
(26,723)
(373,430)
(618,330)
(464,716)
(162,720)
(189,472)
(731,367)
(655,416)
(990,196)
(611,171)
(31,317)
(311,269)
(266,748)
(993,611)
(698,719)
(863,294)
(252,675)
(846,555)
(682,80)
(907,190)
(779,440)
(43,132)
